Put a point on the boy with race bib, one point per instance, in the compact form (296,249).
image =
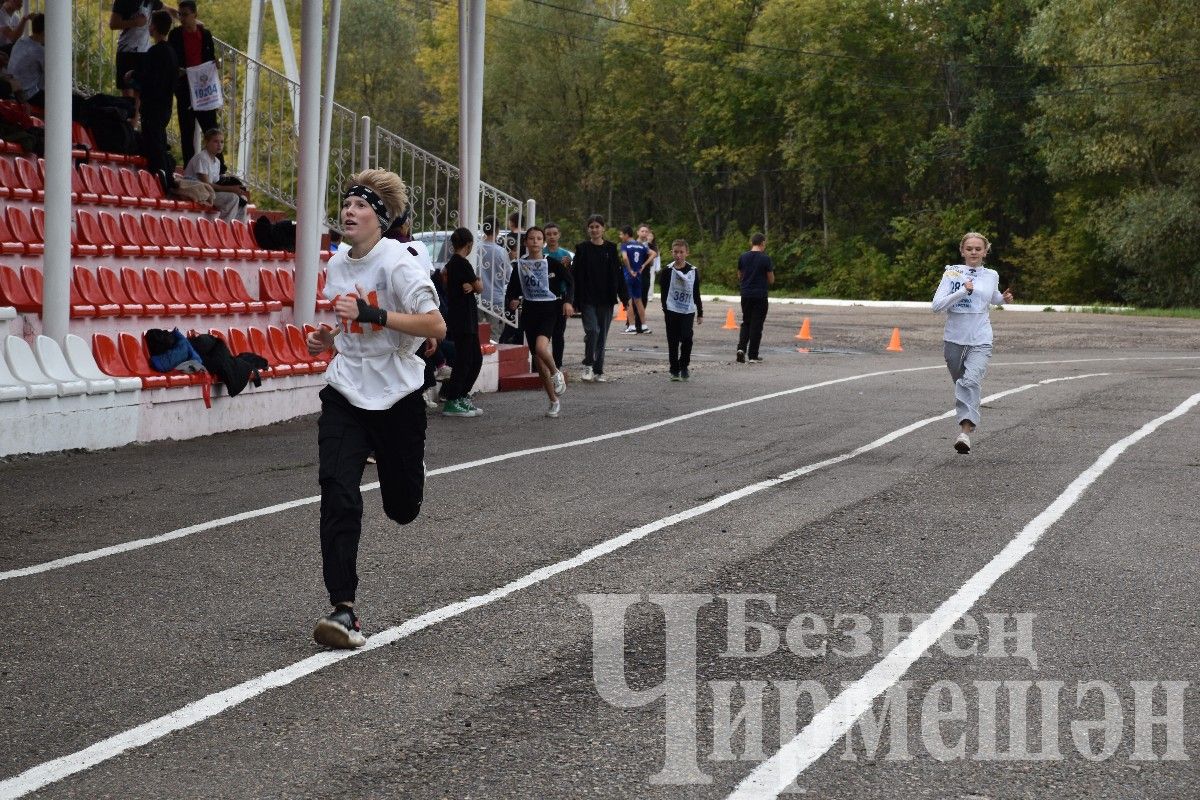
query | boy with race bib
(544,291)
(680,287)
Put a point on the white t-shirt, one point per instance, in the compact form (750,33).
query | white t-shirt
(203,164)
(967,318)
(27,64)
(135,40)
(10,21)
(375,367)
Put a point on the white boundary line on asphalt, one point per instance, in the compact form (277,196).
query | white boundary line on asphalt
(200,527)
(49,772)
(775,775)
(916,305)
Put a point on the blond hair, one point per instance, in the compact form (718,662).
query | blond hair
(987,246)
(387,185)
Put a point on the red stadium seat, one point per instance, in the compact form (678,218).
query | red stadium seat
(198,286)
(299,345)
(139,291)
(153,189)
(116,237)
(108,358)
(87,289)
(8,240)
(287,285)
(218,284)
(245,239)
(133,352)
(259,343)
(88,231)
(95,184)
(13,292)
(227,239)
(269,289)
(79,190)
(210,237)
(22,230)
(191,235)
(132,188)
(174,235)
(112,185)
(162,293)
(131,226)
(283,351)
(10,183)
(238,341)
(110,285)
(177,284)
(237,289)
(153,230)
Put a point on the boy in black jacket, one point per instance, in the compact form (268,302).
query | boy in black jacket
(598,288)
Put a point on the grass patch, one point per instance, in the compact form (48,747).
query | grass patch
(1182,313)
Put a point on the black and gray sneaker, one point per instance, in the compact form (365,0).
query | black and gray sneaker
(741,356)
(341,629)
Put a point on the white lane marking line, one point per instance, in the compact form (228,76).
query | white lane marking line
(200,527)
(56,769)
(773,776)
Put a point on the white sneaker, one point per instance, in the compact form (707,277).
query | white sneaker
(554,408)
(560,382)
(588,375)
(601,378)
(431,397)
(443,373)
(963,443)
(629,329)
(645,329)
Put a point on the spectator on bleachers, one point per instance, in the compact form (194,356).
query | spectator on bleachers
(154,80)
(27,63)
(132,19)
(229,198)
(193,46)
(12,24)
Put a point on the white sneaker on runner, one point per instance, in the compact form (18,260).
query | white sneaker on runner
(554,408)
(963,443)
(601,378)
(629,329)
(588,375)
(560,382)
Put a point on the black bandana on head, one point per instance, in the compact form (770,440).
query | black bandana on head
(374,201)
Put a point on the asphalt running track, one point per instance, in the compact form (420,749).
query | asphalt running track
(137,665)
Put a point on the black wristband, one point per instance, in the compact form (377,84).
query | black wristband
(370,314)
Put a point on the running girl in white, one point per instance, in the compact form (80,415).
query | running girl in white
(966,293)
(387,307)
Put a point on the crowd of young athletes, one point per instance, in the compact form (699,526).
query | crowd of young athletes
(390,321)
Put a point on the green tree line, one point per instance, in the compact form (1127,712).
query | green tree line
(864,136)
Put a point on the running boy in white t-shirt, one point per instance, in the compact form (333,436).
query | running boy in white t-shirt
(387,307)
(680,287)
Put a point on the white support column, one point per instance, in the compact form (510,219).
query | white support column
(477,28)
(245,153)
(466,190)
(331,54)
(365,151)
(530,212)
(288,51)
(56,262)
(308,203)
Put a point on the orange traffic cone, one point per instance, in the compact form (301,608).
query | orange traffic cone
(894,344)
(730,322)
(621,315)
(805,335)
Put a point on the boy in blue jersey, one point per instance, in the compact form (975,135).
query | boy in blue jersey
(634,256)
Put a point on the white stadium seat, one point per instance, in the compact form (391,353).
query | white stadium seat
(24,366)
(50,358)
